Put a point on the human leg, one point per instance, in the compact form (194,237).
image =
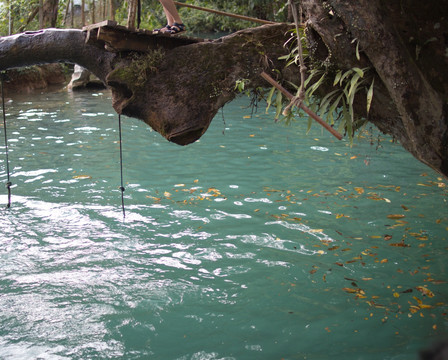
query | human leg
(172,16)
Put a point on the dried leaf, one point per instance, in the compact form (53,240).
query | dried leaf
(425,291)
(395,216)
(400,244)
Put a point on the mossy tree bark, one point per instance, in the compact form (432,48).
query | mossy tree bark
(405,44)
(177,91)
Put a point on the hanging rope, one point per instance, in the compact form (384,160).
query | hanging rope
(121,166)
(8,183)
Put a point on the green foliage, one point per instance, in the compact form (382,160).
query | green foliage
(153,15)
(336,105)
(200,21)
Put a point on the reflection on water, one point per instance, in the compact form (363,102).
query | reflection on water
(257,242)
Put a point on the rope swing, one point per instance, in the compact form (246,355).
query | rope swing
(8,183)
(122,189)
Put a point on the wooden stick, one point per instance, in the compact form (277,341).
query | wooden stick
(241,17)
(302,106)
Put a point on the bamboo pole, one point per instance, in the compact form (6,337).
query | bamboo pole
(241,17)
(302,106)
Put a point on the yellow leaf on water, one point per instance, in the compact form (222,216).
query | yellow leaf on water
(81,177)
(395,216)
(384,261)
(425,291)
(167,194)
(424,306)
(359,190)
(396,295)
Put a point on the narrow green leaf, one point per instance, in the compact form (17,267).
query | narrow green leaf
(337,77)
(315,86)
(327,100)
(269,99)
(278,104)
(359,71)
(370,96)
(310,122)
(347,73)
(353,86)
(357,51)
(333,107)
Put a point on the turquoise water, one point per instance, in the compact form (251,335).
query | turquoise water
(257,242)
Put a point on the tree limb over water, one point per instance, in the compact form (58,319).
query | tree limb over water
(178,91)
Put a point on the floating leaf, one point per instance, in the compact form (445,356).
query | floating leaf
(82,177)
(359,190)
(400,244)
(350,290)
(425,291)
(395,216)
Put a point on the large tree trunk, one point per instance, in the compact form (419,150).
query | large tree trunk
(405,43)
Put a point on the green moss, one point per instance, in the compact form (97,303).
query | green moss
(136,73)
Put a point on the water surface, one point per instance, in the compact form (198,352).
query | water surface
(257,242)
